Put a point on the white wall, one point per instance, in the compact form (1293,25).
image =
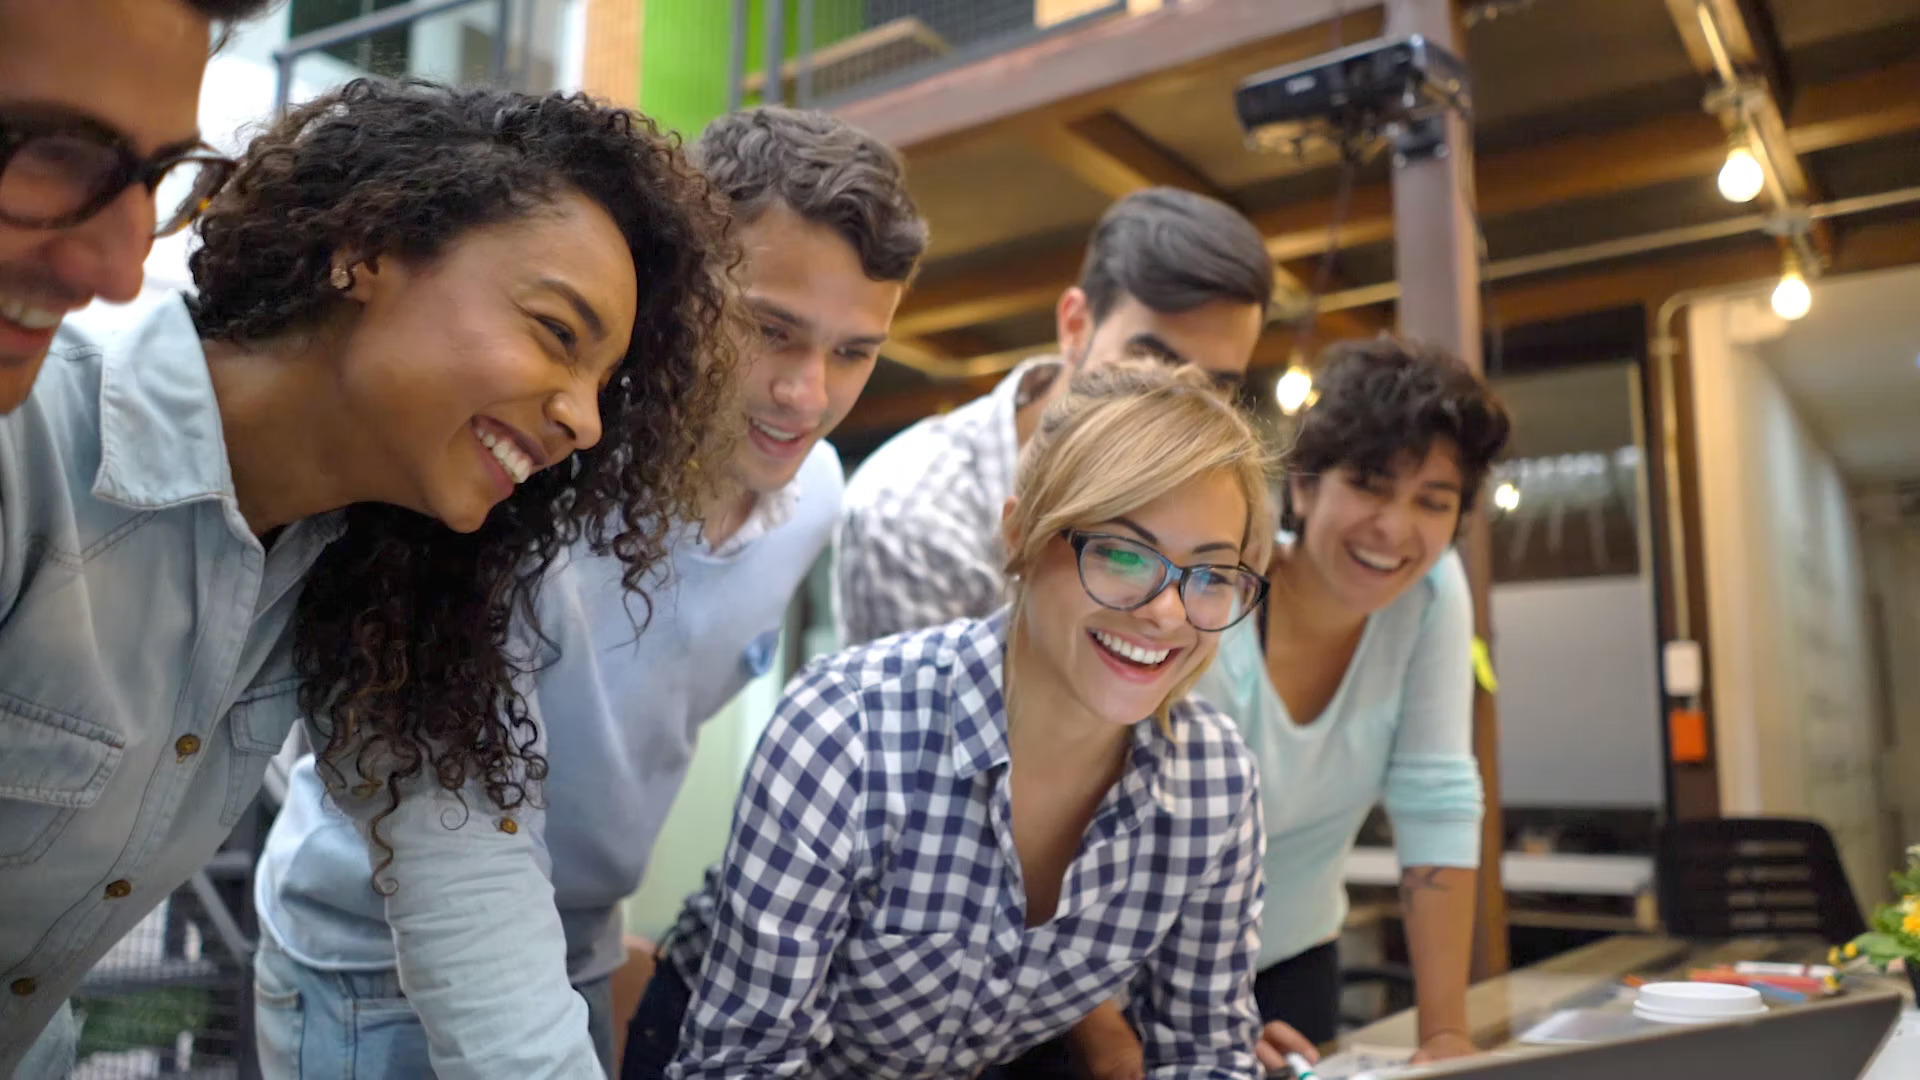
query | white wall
(1793,701)
(1892,545)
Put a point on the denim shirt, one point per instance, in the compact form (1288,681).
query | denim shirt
(146,678)
(145,670)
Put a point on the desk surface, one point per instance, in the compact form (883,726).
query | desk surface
(1500,1009)
(1563,872)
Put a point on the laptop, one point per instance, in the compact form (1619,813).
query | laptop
(1828,1040)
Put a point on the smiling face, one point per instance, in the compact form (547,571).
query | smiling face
(821,321)
(131,65)
(1118,667)
(1217,337)
(1369,537)
(475,370)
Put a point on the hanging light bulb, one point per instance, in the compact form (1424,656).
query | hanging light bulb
(1293,389)
(1741,178)
(1507,497)
(1792,299)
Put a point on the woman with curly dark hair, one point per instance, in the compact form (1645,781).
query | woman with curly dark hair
(1355,685)
(439,335)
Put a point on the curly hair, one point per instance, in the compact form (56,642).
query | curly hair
(401,635)
(1381,400)
(825,170)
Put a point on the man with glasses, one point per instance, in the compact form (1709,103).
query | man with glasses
(100,152)
(1169,275)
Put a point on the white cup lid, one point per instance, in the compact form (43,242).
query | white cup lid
(1700,1000)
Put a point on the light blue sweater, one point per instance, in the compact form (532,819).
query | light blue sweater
(619,715)
(1399,729)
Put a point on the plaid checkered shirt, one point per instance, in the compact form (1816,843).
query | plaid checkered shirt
(868,919)
(919,537)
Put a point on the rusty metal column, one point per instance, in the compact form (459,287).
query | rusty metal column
(1436,259)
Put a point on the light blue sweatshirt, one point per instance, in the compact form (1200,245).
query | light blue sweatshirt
(619,715)
(1399,729)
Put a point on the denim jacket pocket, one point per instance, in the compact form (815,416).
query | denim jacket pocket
(54,766)
(258,724)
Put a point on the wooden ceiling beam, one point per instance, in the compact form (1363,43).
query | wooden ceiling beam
(1116,159)
(1873,105)
(1858,248)
(1080,72)
(1750,51)
(1018,287)
(887,412)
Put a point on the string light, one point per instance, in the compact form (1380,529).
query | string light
(1507,497)
(1293,389)
(1792,299)
(1741,178)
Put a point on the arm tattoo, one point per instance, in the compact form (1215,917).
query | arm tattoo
(1418,878)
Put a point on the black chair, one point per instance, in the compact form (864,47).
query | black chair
(1721,878)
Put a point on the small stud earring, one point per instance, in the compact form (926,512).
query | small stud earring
(341,278)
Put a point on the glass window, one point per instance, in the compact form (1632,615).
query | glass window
(523,44)
(384,53)
(1567,502)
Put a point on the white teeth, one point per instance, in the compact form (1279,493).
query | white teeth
(772,433)
(511,457)
(1386,564)
(28,317)
(1149,657)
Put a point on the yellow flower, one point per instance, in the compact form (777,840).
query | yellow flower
(1911,924)
(1853,950)
(1833,955)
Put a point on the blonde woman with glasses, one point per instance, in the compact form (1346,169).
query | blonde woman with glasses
(954,844)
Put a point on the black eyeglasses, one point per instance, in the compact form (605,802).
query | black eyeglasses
(57,170)
(1123,574)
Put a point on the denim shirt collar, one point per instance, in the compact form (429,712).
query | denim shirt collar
(161,441)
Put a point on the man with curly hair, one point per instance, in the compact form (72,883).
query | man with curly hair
(98,100)
(831,239)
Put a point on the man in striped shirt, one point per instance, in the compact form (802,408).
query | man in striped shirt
(1168,274)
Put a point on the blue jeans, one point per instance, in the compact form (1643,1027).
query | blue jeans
(311,1024)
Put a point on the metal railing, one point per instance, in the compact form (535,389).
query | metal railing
(833,52)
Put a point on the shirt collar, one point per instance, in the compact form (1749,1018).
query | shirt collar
(161,440)
(769,513)
(976,692)
(1001,429)
(978,715)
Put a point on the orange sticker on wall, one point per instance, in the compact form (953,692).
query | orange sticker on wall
(1687,736)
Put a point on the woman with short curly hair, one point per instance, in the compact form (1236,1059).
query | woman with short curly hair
(1355,686)
(439,335)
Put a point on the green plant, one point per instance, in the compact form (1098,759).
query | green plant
(1894,930)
